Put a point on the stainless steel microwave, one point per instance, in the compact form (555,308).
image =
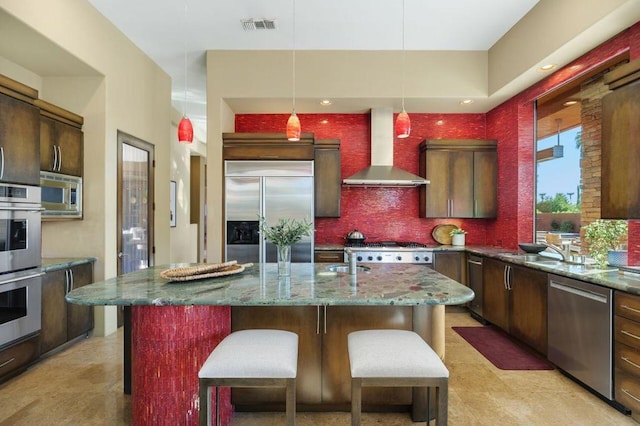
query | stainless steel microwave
(61,196)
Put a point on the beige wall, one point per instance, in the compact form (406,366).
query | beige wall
(126,91)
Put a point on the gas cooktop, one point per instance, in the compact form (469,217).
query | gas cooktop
(391,252)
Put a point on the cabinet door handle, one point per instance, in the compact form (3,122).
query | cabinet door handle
(628,361)
(630,395)
(1,162)
(7,362)
(325,319)
(630,309)
(66,281)
(318,319)
(59,157)
(71,280)
(55,158)
(625,332)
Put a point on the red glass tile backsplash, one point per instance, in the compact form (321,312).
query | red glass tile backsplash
(387,213)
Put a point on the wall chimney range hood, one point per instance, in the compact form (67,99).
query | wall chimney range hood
(381,172)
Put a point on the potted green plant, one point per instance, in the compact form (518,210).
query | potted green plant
(606,241)
(457,236)
(284,234)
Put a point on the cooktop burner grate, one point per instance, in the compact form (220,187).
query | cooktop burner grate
(384,244)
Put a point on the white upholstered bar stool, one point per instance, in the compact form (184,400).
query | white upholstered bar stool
(397,358)
(251,358)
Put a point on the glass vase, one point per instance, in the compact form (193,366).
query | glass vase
(284,261)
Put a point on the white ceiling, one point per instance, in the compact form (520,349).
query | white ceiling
(162,29)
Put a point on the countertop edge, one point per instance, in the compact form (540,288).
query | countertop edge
(50,264)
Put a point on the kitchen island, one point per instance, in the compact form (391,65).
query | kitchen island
(175,325)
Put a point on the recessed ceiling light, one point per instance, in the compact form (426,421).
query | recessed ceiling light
(325,102)
(569,103)
(547,67)
(466,102)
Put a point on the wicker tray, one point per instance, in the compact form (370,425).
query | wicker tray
(200,272)
(441,233)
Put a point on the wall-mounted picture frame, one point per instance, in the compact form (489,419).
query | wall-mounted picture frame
(172,204)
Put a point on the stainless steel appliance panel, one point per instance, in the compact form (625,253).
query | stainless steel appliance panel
(20,226)
(580,332)
(20,306)
(474,272)
(269,189)
(61,195)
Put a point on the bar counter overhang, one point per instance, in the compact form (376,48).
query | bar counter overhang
(175,325)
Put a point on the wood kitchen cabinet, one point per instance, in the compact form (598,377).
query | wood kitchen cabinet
(323,361)
(15,358)
(463,175)
(451,264)
(515,299)
(19,133)
(620,148)
(327,179)
(266,146)
(63,321)
(328,256)
(626,354)
(61,140)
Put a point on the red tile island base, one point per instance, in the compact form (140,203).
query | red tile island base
(170,344)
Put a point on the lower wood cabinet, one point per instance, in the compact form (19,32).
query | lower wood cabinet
(62,321)
(626,355)
(328,256)
(515,299)
(15,358)
(451,264)
(323,361)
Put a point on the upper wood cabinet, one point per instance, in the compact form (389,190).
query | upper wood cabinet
(61,140)
(328,182)
(266,146)
(463,175)
(620,147)
(19,133)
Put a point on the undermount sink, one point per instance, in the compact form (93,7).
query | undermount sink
(345,268)
(527,257)
(550,262)
(575,268)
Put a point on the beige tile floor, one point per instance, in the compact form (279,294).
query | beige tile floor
(82,386)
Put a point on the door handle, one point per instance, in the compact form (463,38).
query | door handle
(122,255)
(59,158)
(55,158)
(1,162)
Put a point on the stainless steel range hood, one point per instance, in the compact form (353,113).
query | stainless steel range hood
(381,172)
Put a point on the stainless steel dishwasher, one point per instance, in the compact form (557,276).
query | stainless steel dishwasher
(580,332)
(474,273)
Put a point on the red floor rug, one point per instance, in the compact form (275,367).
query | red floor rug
(503,352)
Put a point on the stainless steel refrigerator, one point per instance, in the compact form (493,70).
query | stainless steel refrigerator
(269,189)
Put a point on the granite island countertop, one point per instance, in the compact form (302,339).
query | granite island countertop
(259,285)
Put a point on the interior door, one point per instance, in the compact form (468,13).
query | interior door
(135,222)
(135,204)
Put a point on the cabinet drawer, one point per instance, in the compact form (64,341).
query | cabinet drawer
(627,331)
(627,305)
(19,355)
(627,359)
(331,256)
(627,391)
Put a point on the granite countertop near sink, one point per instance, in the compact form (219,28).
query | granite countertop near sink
(259,285)
(623,279)
(50,264)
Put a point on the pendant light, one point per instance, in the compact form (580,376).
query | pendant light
(185,128)
(403,123)
(293,124)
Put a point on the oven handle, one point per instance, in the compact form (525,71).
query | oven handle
(27,277)
(22,208)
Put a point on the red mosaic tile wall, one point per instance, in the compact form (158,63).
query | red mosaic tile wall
(379,213)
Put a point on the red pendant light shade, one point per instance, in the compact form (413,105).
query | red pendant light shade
(293,127)
(185,130)
(403,125)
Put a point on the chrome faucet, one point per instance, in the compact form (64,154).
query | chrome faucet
(351,258)
(565,251)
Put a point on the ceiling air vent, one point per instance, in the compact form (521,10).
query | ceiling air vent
(258,24)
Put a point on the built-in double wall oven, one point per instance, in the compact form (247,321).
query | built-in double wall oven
(20,259)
